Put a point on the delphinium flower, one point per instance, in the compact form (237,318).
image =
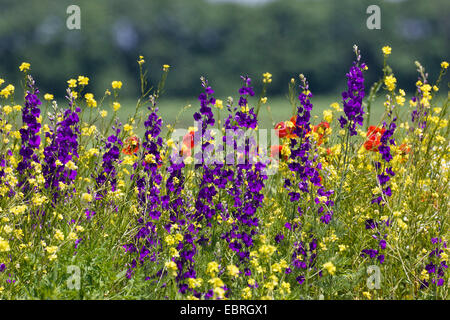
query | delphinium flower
(206,99)
(434,271)
(384,171)
(352,98)
(302,161)
(380,140)
(205,118)
(379,235)
(245,117)
(110,159)
(148,188)
(180,215)
(204,206)
(305,178)
(29,134)
(60,156)
(150,161)
(303,258)
(249,177)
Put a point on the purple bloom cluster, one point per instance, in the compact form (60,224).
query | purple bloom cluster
(204,208)
(205,99)
(63,147)
(247,181)
(110,159)
(204,204)
(148,192)
(303,258)
(148,186)
(379,234)
(385,173)
(306,171)
(436,267)
(352,98)
(29,133)
(246,119)
(303,166)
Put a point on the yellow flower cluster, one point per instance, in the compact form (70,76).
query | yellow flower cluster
(91,102)
(116,85)
(267,77)
(386,50)
(24,67)
(7,91)
(390,82)
(83,81)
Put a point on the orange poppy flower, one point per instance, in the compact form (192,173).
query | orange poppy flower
(131,145)
(404,150)
(373,138)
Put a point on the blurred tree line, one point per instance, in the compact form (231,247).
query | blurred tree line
(218,40)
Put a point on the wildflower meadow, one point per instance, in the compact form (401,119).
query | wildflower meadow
(346,205)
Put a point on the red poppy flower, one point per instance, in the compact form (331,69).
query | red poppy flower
(188,140)
(373,138)
(275,151)
(321,130)
(281,130)
(131,145)
(188,143)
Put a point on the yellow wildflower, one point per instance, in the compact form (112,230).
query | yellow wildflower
(4,245)
(390,82)
(267,77)
(83,81)
(72,83)
(213,268)
(116,106)
(25,66)
(329,266)
(386,50)
(86,197)
(233,271)
(116,84)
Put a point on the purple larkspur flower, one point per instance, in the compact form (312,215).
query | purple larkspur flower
(352,98)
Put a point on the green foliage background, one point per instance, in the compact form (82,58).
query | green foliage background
(218,40)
